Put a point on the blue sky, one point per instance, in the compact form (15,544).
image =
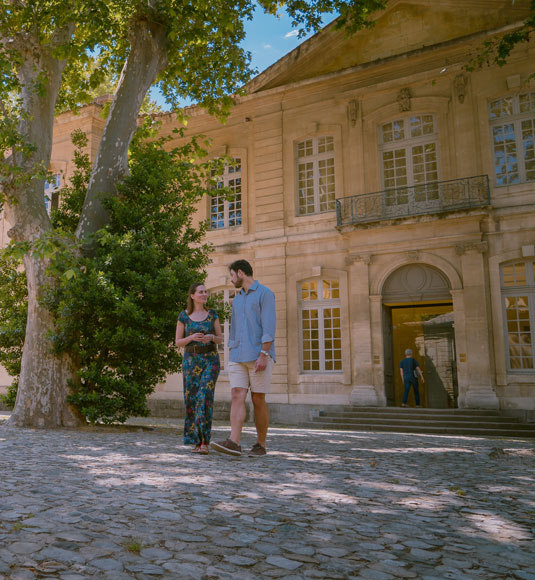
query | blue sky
(268,39)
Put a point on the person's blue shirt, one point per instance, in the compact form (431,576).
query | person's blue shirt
(252,323)
(409,365)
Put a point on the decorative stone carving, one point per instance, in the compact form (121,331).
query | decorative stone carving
(413,255)
(459,84)
(352,258)
(416,282)
(353,112)
(404,100)
(480,247)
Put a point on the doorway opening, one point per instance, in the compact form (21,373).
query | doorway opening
(418,314)
(428,330)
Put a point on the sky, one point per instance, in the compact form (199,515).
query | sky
(268,39)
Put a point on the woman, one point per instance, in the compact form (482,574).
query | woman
(198,330)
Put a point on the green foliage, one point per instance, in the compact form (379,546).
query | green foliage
(116,310)
(13,313)
(497,50)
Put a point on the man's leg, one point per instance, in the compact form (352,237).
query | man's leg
(237,413)
(407,386)
(261,417)
(416,393)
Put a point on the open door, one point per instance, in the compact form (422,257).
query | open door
(427,329)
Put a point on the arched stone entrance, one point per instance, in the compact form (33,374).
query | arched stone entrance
(418,314)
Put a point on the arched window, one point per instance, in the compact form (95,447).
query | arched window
(409,159)
(320,325)
(518,295)
(315,175)
(225,212)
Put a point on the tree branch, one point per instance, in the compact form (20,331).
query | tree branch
(148,56)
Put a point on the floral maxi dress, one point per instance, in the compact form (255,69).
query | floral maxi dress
(199,372)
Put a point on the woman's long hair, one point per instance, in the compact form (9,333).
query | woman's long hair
(192,290)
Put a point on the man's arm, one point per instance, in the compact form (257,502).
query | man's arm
(268,320)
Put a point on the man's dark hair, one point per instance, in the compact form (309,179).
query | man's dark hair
(242,265)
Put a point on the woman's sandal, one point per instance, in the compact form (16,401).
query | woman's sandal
(197,449)
(205,449)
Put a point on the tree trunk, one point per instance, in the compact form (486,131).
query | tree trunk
(44,380)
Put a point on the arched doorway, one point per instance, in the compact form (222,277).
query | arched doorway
(418,314)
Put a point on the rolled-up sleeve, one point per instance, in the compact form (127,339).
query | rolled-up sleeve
(268,317)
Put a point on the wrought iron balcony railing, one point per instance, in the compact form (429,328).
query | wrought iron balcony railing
(426,198)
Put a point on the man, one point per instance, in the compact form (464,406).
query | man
(252,356)
(410,370)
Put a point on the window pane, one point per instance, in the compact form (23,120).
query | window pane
(305,184)
(309,290)
(519,331)
(527,103)
(304,149)
(528,146)
(422,125)
(514,274)
(325,144)
(326,184)
(501,108)
(505,155)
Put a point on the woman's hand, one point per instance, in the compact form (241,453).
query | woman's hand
(207,338)
(198,337)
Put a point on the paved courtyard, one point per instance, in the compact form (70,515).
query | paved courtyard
(322,505)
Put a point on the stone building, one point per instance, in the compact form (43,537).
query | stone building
(387,196)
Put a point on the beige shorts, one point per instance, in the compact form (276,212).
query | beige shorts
(243,376)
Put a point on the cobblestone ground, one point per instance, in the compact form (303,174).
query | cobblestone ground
(117,504)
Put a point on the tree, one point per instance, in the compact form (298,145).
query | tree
(497,50)
(52,54)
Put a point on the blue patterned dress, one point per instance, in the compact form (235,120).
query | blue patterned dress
(199,372)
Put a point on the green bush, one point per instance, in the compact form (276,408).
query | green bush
(116,309)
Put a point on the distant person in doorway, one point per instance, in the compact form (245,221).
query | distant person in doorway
(252,357)
(410,371)
(198,330)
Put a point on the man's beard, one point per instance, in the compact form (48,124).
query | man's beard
(238,283)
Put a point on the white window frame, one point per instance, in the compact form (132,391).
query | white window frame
(51,186)
(528,290)
(407,143)
(230,174)
(315,159)
(321,305)
(515,119)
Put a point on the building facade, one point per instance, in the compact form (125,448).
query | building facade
(387,196)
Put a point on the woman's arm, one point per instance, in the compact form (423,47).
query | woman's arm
(180,340)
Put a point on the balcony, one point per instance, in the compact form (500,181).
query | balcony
(427,198)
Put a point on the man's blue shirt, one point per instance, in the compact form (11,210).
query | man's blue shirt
(253,322)
(408,365)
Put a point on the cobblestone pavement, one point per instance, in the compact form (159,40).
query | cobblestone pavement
(118,504)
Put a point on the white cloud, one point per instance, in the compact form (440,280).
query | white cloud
(267,46)
(291,33)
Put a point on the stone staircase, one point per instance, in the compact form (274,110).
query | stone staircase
(426,421)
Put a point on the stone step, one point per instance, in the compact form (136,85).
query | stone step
(459,430)
(432,421)
(416,421)
(456,412)
(420,415)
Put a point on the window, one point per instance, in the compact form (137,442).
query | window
(51,191)
(512,124)
(409,159)
(226,296)
(315,175)
(226,212)
(320,323)
(518,294)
